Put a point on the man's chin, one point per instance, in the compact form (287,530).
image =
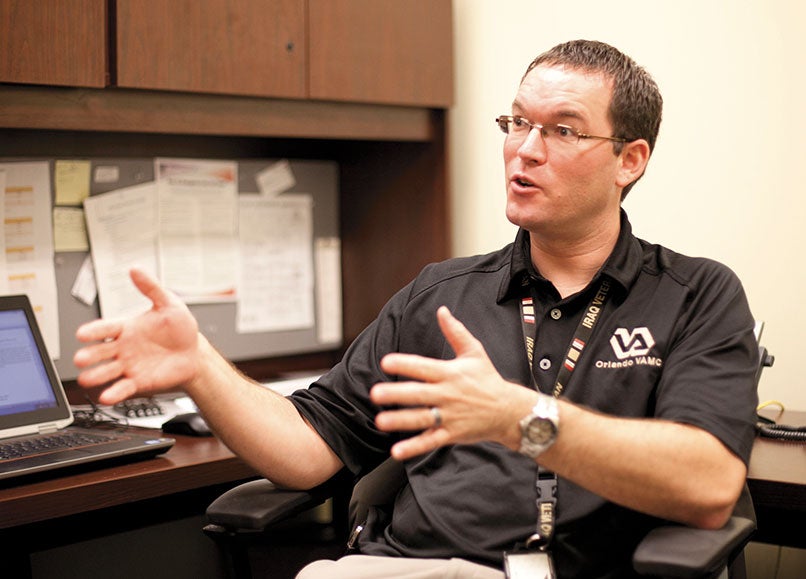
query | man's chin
(522,219)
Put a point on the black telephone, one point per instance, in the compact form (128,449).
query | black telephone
(768,427)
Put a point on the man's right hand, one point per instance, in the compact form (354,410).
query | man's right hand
(153,352)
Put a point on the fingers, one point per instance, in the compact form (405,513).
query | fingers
(117,392)
(458,336)
(426,442)
(434,435)
(103,329)
(429,369)
(408,420)
(104,373)
(431,377)
(413,366)
(438,401)
(149,287)
(100,374)
(404,394)
(99,330)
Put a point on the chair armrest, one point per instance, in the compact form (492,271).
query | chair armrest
(679,551)
(257,504)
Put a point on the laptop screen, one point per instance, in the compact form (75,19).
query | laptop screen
(30,391)
(24,384)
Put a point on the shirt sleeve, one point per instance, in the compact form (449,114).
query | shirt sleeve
(338,404)
(709,376)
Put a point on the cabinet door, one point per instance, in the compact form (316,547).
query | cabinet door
(382,51)
(57,42)
(248,47)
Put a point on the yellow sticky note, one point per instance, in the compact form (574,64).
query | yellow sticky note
(69,230)
(72,182)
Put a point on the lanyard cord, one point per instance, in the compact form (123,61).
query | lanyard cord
(545,480)
(581,335)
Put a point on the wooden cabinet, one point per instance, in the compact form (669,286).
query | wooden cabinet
(378,51)
(248,47)
(54,42)
(381,51)
(395,52)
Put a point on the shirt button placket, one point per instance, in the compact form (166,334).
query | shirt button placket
(545,363)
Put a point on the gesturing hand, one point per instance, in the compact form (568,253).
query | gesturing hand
(473,401)
(152,352)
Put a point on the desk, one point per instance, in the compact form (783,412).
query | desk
(51,512)
(777,482)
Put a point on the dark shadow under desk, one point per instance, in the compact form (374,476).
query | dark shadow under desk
(144,496)
(777,481)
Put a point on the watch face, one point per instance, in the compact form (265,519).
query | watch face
(540,430)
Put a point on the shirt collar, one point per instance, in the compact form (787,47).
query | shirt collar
(622,266)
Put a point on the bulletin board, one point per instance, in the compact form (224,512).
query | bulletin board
(217,321)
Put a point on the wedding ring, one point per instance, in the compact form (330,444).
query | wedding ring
(437,417)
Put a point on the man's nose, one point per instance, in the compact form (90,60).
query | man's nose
(533,147)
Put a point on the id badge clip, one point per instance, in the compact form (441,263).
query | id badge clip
(528,564)
(533,559)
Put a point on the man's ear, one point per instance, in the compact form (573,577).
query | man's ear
(633,159)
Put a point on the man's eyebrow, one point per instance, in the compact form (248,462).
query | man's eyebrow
(560,115)
(569,114)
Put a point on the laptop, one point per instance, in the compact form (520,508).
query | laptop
(36,420)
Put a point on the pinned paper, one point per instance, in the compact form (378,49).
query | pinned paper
(28,228)
(327,263)
(71,180)
(84,287)
(276,178)
(106,174)
(277,277)
(69,229)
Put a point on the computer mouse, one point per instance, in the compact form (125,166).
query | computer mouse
(191,424)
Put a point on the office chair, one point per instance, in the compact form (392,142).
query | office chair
(258,512)
(247,515)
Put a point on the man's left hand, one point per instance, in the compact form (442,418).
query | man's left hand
(463,400)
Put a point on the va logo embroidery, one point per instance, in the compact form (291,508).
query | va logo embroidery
(631,344)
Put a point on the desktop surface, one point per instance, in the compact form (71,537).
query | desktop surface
(192,463)
(778,461)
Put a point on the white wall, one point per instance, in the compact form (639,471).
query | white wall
(727,176)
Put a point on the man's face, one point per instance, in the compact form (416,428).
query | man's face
(559,188)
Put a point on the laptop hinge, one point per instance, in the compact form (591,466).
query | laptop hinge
(48,429)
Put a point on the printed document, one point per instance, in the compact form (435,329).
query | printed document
(198,228)
(122,226)
(277,263)
(28,240)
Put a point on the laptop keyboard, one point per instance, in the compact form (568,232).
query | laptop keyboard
(49,443)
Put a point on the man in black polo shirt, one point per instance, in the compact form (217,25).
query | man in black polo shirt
(578,360)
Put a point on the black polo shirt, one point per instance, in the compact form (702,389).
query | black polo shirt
(674,341)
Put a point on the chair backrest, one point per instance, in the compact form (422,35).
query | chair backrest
(765,359)
(377,489)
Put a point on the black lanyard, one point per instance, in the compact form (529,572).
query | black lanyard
(545,480)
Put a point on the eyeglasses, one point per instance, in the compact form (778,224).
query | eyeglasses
(520,128)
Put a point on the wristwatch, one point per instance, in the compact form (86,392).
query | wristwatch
(539,428)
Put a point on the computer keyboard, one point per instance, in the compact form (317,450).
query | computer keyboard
(39,444)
